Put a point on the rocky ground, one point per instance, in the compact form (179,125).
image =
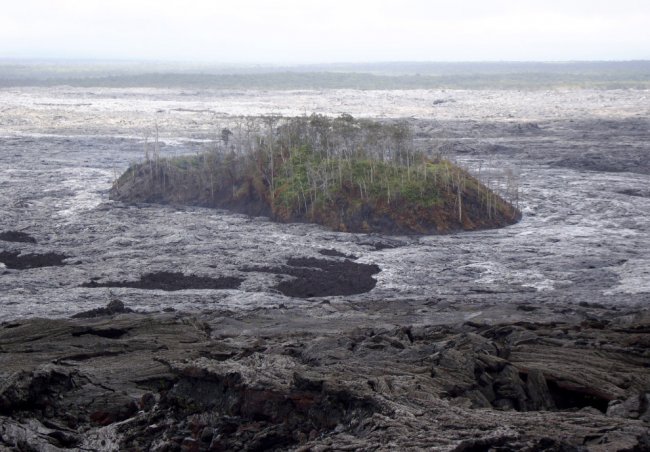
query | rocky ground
(286,378)
(238,333)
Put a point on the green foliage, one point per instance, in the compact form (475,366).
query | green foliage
(292,183)
(336,171)
(186,162)
(306,181)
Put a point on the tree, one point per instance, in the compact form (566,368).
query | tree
(225,136)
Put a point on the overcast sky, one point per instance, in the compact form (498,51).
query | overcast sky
(312,31)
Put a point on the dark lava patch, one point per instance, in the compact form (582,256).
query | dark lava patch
(604,163)
(635,192)
(17,236)
(15,260)
(108,333)
(381,244)
(335,253)
(323,278)
(114,307)
(171,281)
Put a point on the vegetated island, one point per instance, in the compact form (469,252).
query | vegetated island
(347,174)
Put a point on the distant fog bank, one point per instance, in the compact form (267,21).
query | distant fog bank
(388,75)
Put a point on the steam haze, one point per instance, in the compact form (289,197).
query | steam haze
(292,31)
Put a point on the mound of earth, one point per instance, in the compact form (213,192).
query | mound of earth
(346,174)
(457,206)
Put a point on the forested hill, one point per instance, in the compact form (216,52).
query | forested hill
(346,174)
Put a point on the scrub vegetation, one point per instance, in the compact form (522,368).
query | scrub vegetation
(345,173)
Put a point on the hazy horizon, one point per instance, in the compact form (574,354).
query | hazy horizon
(290,32)
(280,64)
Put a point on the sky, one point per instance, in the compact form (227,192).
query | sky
(326,31)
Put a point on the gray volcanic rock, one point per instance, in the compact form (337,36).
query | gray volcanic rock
(549,316)
(176,382)
(584,237)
